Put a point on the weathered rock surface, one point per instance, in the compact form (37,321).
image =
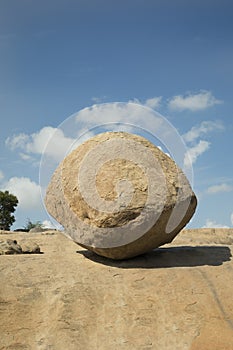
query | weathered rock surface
(177,297)
(88,195)
(29,247)
(10,246)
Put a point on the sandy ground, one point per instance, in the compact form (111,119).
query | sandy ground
(177,297)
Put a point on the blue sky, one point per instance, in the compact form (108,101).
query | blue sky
(58,57)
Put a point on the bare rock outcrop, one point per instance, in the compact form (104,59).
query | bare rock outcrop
(177,297)
(120,196)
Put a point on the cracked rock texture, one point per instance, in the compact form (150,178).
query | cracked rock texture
(157,189)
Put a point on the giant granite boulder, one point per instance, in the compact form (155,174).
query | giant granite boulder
(120,196)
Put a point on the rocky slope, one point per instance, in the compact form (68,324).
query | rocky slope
(177,297)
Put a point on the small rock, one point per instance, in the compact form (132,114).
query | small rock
(10,246)
(39,230)
(30,248)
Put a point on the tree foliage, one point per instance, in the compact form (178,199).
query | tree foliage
(31,225)
(8,204)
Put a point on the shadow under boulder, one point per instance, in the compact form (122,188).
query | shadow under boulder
(179,256)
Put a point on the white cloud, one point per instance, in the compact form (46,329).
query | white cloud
(153,102)
(17,141)
(194,152)
(201,146)
(232,218)
(98,99)
(36,143)
(204,128)
(132,112)
(26,156)
(193,102)
(213,224)
(26,190)
(1,175)
(48,224)
(219,188)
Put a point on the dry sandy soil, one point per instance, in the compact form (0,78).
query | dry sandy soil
(177,297)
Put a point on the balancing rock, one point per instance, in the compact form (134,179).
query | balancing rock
(120,196)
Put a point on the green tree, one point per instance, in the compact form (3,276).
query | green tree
(8,204)
(31,225)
